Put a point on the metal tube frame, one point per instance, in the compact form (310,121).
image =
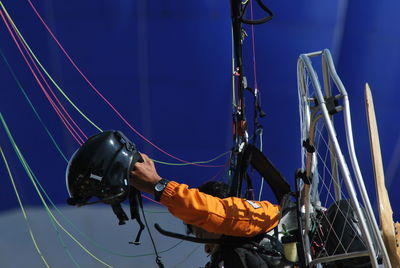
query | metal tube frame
(339,257)
(329,72)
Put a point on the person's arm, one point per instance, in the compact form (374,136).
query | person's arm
(229,216)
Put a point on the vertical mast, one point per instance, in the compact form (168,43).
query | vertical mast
(240,134)
(239,120)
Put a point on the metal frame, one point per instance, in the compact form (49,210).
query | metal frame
(309,117)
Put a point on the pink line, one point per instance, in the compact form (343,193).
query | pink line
(37,79)
(108,103)
(52,92)
(47,94)
(254,48)
(65,122)
(152,200)
(219,172)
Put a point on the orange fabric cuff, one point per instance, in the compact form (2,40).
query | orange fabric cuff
(230,216)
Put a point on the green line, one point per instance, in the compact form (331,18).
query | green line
(23,210)
(51,136)
(155,212)
(32,176)
(26,167)
(187,257)
(73,104)
(89,239)
(65,247)
(45,71)
(186,164)
(31,105)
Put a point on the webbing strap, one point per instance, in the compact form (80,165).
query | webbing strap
(254,157)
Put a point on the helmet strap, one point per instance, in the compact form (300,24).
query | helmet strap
(119,213)
(135,202)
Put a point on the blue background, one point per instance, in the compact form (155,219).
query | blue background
(166,66)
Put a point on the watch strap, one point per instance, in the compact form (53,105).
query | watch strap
(159,189)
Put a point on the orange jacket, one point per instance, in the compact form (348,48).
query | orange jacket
(229,216)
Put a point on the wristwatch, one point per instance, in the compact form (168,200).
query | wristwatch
(159,189)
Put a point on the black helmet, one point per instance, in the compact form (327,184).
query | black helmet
(100,168)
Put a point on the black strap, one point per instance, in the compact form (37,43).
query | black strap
(254,157)
(224,240)
(246,255)
(259,21)
(135,202)
(117,209)
(242,162)
(302,175)
(308,146)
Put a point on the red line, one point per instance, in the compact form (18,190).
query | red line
(52,92)
(108,103)
(152,200)
(37,79)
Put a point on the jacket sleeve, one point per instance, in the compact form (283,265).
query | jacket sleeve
(229,216)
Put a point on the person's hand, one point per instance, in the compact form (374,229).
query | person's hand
(144,175)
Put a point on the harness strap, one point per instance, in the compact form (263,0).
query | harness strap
(266,169)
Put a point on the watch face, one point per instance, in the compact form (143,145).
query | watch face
(159,186)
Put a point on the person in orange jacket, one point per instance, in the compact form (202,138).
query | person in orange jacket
(209,216)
